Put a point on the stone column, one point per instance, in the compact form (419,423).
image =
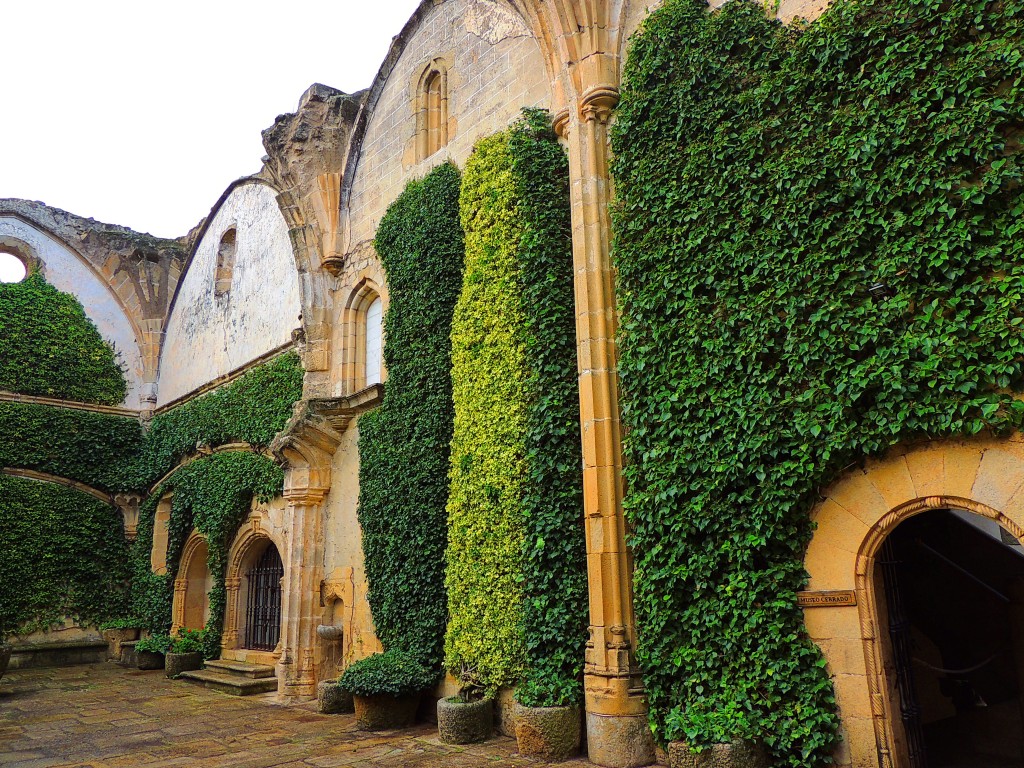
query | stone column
(178,619)
(229,637)
(303,558)
(617,732)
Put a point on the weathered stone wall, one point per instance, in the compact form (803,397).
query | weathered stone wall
(495,68)
(123,279)
(208,335)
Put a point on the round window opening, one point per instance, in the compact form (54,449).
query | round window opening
(12,269)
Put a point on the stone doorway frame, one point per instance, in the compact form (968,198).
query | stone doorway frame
(983,476)
(249,543)
(194,544)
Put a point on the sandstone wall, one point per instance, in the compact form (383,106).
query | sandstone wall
(208,335)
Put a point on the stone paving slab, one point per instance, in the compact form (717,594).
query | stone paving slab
(106,716)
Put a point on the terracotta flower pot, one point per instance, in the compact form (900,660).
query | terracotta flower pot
(384,713)
(548,733)
(115,637)
(332,699)
(464,722)
(5,657)
(150,660)
(737,754)
(176,663)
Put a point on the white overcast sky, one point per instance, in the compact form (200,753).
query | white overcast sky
(140,113)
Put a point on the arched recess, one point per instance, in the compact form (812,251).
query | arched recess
(361,335)
(191,608)
(858,512)
(249,546)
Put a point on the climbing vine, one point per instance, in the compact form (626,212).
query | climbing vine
(64,555)
(818,236)
(48,347)
(404,444)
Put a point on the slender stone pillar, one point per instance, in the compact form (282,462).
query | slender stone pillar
(617,732)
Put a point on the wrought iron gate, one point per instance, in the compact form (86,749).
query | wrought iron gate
(899,634)
(263,609)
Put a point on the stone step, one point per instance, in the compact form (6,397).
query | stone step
(234,684)
(240,669)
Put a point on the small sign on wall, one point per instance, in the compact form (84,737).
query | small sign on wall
(826,598)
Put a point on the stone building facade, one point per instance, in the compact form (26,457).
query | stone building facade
(285,260)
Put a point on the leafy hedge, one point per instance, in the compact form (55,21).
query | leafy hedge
(92,448)
(404,444)
(48,346)
(554,552)
(766,177)
(64,555)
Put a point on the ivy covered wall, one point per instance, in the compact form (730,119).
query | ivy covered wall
(766,178)
(404,444)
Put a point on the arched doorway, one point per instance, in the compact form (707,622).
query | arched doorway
(263,600)
(191,608)
(950,584)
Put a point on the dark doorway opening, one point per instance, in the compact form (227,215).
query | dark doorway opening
(954,595)
(263,603)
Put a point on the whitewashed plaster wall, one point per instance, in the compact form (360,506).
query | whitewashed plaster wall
(70,273)
(496,69)
(208,336)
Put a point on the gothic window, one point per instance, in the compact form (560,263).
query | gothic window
(225,263)
(432,110)
(374,315)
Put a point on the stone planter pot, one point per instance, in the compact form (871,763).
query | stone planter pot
(737,754)
(548,733)
(150,660)
(5,657)
(383,713)
(176,663)
(115,638)
(464,722)
(332,699)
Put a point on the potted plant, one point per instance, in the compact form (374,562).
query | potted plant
(186,652)
(468,717)
(119,631)
(548,720)
(151,651)
(386,689)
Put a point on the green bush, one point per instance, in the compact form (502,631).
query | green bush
(158,643)
(392,673)
(766,177)
(404,444)
(189,641)
(48,347)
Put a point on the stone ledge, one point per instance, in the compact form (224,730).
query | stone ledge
(60,654)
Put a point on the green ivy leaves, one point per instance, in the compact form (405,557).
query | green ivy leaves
(766,178)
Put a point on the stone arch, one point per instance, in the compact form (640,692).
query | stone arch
(353,335)
(250,542)
(431,108)
(983,476)
(191,607)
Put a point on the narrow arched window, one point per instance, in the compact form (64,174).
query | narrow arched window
(432,110)
(372,339)
(225,263)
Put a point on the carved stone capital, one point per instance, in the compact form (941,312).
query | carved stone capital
(128,504)
(560,122)
(598,102)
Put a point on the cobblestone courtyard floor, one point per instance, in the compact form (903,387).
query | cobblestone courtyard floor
(105,716)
